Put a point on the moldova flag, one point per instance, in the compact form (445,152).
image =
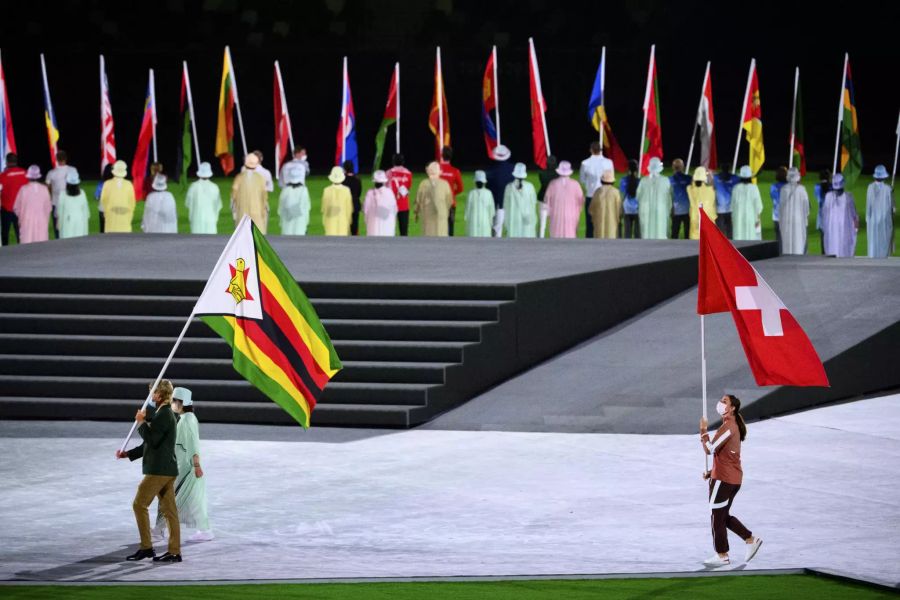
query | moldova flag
(597,117)
(346,133)
(49,117)
(489,102)
(278,343)
(851,153)
(7,137)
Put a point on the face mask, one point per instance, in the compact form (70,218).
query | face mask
(152,403)
(379,185)
(721,408)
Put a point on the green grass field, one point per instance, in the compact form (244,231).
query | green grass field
(768,587)
(317,184)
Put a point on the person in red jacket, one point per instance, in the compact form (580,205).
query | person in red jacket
(451,175)
(400,182)
(725,480)
(11,181)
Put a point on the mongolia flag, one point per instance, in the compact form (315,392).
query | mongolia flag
(706,121)
(391,116)
(851,154)
(346,133)
(540,138)
(282,120)
(49,117)
(7,137)
(597,117)
(776,346)
(145,138)
(225,121)
(797,148)
(278,343)
(439,116)
(752,122)
(652,143)
(107,125)
(489,102)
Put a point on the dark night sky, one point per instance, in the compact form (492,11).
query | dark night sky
(309,38)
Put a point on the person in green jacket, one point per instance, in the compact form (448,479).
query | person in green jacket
(157,429)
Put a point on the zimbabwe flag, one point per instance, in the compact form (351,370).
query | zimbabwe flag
(279,345)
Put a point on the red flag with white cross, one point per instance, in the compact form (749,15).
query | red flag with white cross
(777,348)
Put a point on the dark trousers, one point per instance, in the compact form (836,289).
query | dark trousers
(403,222)
(451,218)
(679,222)
(7,219)
(724,223)
(822,241)
(102,221)
(777,235)
(632,227)
(55,224)
(588,221)
(721,495)
(354,222)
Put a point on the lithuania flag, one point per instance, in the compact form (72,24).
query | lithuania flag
(279,345)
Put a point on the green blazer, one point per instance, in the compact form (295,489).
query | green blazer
(158,449)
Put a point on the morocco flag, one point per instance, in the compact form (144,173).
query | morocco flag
(278,343)
(776,346)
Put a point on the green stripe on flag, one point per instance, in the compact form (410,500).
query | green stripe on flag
(379,141)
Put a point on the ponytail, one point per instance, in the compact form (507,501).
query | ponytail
(738,417)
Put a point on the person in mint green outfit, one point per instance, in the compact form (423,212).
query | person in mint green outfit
(190,486)
(746,206)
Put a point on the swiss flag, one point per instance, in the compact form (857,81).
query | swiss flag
(776,346)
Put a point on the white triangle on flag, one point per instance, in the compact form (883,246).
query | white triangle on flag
(233,286)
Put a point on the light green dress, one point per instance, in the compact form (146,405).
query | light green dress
(479,213)
(746,206)
(190,491)
(73,215)
(204,203)
(520,206)
(293,210)
(654,195)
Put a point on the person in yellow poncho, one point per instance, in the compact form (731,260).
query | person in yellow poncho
(337,204)
(118,200)
(433,201)
(701,193)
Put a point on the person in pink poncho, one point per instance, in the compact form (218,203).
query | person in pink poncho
(33,207)
(564,200)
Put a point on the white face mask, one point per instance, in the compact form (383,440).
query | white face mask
(152,403)
(721,408)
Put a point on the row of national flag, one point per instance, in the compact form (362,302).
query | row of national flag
(847,149)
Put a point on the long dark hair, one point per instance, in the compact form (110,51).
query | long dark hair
(738,418)
(72,190)
(633,179)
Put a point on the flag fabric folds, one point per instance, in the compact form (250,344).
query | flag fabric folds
(278,342)
(706,121)
(145,138)
(346,133)
(851,153)
(439,116)
(651,145)
(107,125)
(7,137)
(597,117)
(282,121)
(752,122)
(777,348)
(185,147)
(540,138)
(489,103)
(225,120)
(798,148)
(391,115)
(49,117)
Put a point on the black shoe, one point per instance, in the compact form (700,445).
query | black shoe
(167,558)
(141,554)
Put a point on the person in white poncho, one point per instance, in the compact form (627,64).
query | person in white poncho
(380,207)
(293,203)
(160,215)
(204,202)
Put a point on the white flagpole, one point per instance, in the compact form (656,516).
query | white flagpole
(896,148)
(837,136)
(602,92)
(440,101)
(703,354)
(284,106)
(237,102)
(344,116)
(190,100)
(397,125)
(102,116)
(794,118)
(540,92)
(737,146)
(153,112)
(687,167)
(496,95)
(646,105)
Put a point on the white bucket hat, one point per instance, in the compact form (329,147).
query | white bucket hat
(655,166)
(379,176)
(72,177)
(564,169)
(746,172)
(337,175)
(519,171)
(293,174)
(205,170)
(34,172)
(480,177)
(160,183)
(501,152)
(120,169)
(184,395)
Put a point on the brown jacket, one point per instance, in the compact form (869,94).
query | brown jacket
(725,448)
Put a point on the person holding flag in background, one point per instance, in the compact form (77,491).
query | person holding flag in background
(300,160)
(880,211)
(49,116)
(847,141)
(400,182)
(746,204)
(540,137)
(681,203)
(654,196)
(293,204)
(118,200)
(453,177)
(651,134)
(490,101)
(479,208)
(56,181)
(146,137)
(794,211)
(590,175)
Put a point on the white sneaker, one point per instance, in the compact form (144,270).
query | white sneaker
(716,561)
(752,549)
(201,536)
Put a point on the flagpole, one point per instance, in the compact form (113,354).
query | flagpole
(540,91)
(344,116)
(153,112)
(896,148)
(737,146)
(703,352)
(440,102)
(47,104)
(496,95)
(602,93)
(284,106)
(190,99)
(794,118)
(687,167)
(646,106)
(397,125)
(102,115)
(237,102)
(837,136)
